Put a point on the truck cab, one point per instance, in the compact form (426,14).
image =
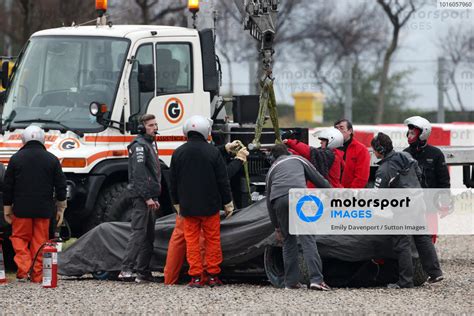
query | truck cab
(128,71)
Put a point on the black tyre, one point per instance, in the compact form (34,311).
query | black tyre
(273,264)
(117,203)
(113,204)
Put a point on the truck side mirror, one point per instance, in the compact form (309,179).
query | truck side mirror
(4,75)
(132,126)
(146,77)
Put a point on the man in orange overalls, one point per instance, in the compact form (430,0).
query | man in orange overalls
(33,177)
(199,187)
(177,244)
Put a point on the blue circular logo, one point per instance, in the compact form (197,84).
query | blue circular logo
(316,201)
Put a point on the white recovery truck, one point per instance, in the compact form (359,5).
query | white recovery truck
(88,85)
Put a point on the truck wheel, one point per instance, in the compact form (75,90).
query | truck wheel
(273,264)
(113,204)
(119,206)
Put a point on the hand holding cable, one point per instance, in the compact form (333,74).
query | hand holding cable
(242,154)
(233,146)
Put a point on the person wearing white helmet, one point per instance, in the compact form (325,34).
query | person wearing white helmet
(32,132)
(234,156)
(327,159)
(29,202)
(434,174)
(199,186)
(430,158)
(330,138)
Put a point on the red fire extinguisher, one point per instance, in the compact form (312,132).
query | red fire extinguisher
(50,266)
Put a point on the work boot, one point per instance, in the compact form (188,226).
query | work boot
(196,282)
(214,281)
(435,279)
(21,280)
(319,286)
(125,276)
(145,278)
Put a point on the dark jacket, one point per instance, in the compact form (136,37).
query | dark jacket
(144,173)
(397,170)
(435,173)
(233,165)
(357,165)
(33,177)
(199,180)
(290,172)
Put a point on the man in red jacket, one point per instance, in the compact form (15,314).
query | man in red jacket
(356,157)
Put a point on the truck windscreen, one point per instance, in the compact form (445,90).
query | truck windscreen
(58,77)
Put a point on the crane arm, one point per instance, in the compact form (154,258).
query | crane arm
(259,17)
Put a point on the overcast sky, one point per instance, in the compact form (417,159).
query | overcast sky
(418,50)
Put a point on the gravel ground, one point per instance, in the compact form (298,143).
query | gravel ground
(87,296)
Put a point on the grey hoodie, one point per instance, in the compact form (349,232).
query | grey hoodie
(290,172)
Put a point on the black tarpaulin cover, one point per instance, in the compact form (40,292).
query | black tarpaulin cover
(243,236)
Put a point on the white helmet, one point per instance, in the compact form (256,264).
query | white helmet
(333,136)
(198,123)
(32,132)
(423,124)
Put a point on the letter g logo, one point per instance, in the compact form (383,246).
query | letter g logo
(174,110)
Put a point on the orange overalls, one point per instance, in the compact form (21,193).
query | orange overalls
(28,234)
(209,255)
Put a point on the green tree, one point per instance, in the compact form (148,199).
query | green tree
(365,89)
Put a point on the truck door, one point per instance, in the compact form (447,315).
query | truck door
(175,99)
(178,91)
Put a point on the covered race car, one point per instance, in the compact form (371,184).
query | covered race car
(250,251)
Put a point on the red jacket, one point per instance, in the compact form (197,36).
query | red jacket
(334,175)
(357,166)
